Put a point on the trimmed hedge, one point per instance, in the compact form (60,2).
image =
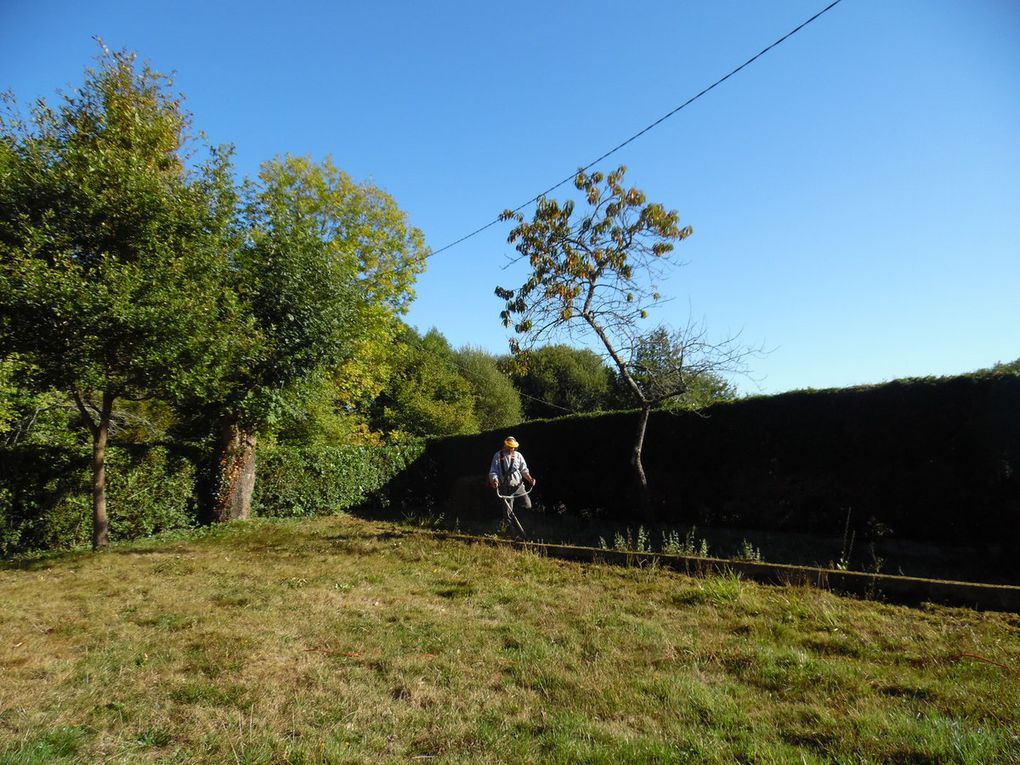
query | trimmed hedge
(294,481)
(46,495)
(914,459)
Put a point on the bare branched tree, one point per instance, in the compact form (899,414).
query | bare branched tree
(599,273)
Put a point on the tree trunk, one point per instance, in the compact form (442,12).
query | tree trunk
(234,481)
(100,525)
(639,469)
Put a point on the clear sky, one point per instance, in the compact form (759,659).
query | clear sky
(855,194)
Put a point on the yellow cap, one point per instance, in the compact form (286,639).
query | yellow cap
(511,441)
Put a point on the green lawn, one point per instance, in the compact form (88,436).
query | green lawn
(342,640)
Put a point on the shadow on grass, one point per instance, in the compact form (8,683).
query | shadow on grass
(543,524)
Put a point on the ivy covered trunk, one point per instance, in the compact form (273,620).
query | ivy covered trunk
(234,481)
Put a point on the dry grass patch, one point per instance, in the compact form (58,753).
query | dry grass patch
(341,640)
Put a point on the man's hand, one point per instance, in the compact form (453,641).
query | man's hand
(531,479)
(493,483)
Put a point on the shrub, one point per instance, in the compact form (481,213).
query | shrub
(295,481)
(46,501)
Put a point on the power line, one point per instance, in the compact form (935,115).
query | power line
(640,133)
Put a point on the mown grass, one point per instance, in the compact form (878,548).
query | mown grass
(342,640)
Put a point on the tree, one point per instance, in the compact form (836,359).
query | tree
(597,275)
(324,267)
(323,416)
(558,379)
(1006,367)
(680,369)
(497,404)
(427,395)
(111,266)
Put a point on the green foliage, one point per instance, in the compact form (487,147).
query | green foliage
(110,257)
(703,390)
(748,552)
(8,391)
(28,415)
(669,369)
(1006,367)
(317,418)
(44,497)
(297,482)
(595,271)
(131,270)
(113,245)
(628,541)
(673,544)
(497,404)
(558,380)
(50,417)
(426,395)
(324,265)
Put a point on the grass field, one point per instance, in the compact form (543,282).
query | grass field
(344,640)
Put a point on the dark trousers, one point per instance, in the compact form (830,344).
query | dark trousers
(520,498)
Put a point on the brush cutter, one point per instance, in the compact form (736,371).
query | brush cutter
(508,500)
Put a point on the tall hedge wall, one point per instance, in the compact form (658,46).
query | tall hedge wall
(294,481)
(915,459)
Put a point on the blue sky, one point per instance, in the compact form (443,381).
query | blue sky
(855,194)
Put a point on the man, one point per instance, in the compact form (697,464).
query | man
(508,472)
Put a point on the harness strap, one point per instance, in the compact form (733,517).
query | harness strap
(507,469)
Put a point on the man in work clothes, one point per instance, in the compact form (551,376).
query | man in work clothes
(508,472)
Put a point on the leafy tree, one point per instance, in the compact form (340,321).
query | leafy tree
(324,266)
(322,416)
(1007,367)
(29,414)
(679,369)
(497,404)
(703,390)
(111,266)
(427,395)
(558,379)
(597,275)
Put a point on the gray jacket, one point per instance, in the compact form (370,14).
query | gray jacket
(508,469)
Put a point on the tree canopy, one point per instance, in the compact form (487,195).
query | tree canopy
(497,403)
(324,267)
(558,379)
(427,395)
(111,267)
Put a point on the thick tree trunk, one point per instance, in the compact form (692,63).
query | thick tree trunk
(234,481)
(100,525)
(641,480)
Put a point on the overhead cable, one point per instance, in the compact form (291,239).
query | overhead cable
(661,119)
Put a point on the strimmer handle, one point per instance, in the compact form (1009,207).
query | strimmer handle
(511,496)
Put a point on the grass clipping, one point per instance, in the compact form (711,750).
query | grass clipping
(340,640)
